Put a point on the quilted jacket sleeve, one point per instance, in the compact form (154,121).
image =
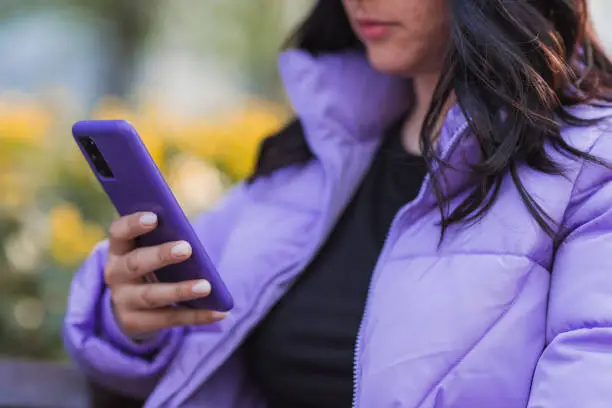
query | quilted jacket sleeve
(575,369)
(93,337)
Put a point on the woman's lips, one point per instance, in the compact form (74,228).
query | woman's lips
(373,29)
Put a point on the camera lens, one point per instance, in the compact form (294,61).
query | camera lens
(97,160)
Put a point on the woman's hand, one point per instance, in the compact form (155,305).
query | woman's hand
(143,308)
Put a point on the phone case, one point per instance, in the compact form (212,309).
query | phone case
(133,183)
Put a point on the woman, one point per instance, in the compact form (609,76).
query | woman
(434,231)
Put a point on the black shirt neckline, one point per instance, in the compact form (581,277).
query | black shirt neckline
(301,354)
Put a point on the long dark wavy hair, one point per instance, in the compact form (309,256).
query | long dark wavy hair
(542,57)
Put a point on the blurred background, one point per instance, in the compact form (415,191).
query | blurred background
(197,79)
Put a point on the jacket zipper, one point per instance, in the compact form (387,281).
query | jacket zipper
(381,259)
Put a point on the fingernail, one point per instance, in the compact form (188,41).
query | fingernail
(201,288)
(148,219)
(181,249)
(219,315)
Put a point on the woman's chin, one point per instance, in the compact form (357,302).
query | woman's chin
(387,62)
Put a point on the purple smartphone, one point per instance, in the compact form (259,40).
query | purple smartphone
(132,181)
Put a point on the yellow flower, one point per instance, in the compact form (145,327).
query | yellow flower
(17,190)
(71,237)
(243,135)
(23,121)
(111,108)
(152,140)
(202,139)
(23,127)
(230,140)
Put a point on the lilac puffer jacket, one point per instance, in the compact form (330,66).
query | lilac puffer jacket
(498,317)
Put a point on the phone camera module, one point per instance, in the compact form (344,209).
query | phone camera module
(98,161)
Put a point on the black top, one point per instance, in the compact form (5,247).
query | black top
(301,354)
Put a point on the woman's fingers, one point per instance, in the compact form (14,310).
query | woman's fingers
(139,262)
(137,323)
(158,295)
(123,231)
(142,308)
